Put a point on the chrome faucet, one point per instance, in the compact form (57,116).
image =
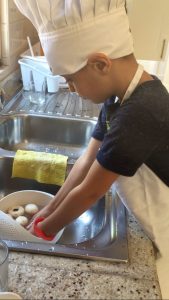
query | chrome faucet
(2,98)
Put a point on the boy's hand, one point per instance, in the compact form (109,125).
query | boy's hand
(44,212)
(31,230)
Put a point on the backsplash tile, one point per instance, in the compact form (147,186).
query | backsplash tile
(14,13)
(15,29)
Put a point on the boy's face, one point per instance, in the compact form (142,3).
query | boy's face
(90,82)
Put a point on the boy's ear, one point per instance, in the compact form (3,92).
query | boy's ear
(100,62)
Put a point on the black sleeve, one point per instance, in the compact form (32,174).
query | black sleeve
(133,136)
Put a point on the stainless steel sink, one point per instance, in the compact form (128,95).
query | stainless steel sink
(67,136)
(100,232)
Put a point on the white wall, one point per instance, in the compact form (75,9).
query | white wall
(159,68)
(166,69)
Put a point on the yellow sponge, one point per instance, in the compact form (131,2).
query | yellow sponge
(41,166)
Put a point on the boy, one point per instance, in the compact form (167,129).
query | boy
(90,44)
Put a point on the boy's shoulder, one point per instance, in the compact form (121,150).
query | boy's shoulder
(152,90)
(150,98)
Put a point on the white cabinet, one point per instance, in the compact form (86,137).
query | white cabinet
(149,22)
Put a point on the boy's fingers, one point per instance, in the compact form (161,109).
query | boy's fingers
(30,225)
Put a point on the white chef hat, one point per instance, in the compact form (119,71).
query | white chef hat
(71,30)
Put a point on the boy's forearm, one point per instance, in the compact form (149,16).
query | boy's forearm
(77,174)
(75,177)
(67,211)
(79,199)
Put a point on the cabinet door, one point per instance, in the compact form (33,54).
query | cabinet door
(149,22)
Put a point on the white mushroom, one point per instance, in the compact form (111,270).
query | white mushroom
(22,220)
(31,209)
(16,211)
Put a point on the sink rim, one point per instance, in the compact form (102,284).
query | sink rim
(6,116)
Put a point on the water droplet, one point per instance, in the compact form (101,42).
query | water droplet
(52,249)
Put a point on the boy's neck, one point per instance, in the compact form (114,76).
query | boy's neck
(123,71)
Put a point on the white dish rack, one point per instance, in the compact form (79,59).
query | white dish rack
(37,68)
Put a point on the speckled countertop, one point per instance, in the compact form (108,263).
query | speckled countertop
(35,276)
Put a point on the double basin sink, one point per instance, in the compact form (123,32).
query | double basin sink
(100,232)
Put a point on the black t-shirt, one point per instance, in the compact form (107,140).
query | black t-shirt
(136,132)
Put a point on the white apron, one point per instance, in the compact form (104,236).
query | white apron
(147,197)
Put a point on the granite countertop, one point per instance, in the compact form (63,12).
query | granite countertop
(35,276)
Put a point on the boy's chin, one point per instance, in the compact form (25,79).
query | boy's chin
(95,100)
(98,101)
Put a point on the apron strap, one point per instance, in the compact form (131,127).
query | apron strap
(133,83)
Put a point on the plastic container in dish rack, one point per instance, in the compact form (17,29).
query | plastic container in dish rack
(40,71)
(41,65)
